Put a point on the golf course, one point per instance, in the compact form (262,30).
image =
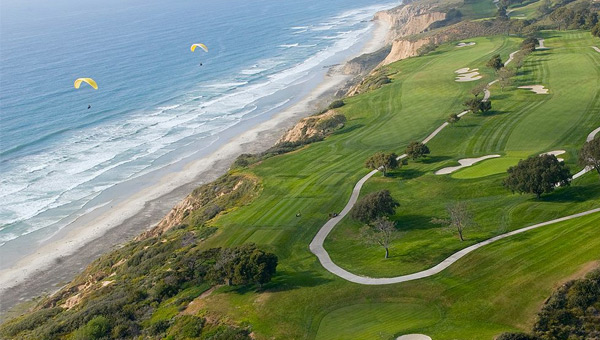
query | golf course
(331,284)
(496,288)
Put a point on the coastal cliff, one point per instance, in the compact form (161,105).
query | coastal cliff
(409,19)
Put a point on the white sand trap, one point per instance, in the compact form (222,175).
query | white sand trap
(556,153)
(538,89)
(467,74)
(463,164)
(413,337)
(462,44)
(596,48)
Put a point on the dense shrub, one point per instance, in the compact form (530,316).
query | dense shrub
(97,328)
(336,104)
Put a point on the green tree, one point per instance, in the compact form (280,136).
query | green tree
(382,161)
(485,106)
(589,155)
(459,218)
(453,118)
(529,44)
(495,63)
(545,7)
(381,232)
(516,336)
(596,30)
(244,265)
(501,13)
(479,89)
(562,17)
(537,175)
(505,76)
(416,150)
(373,205)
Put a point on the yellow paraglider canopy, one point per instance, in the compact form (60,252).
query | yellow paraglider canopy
(202,46)
(90,81)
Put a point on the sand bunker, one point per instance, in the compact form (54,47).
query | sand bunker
(463,164)
(556,153)
(538,89)
(467,74)
(462,44)
(413,337)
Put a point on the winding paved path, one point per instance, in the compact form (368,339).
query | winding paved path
(587,169)
(596,48)
(316,246)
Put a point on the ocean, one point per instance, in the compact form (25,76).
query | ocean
(157,108)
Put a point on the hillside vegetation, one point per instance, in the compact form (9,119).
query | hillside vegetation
(170,283)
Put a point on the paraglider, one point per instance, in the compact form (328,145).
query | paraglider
(89,81)
(202,46)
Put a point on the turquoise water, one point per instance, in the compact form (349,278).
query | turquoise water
(156,106)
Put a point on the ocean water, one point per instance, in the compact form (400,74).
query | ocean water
(156,106)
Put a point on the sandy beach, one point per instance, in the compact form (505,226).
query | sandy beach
(108,227)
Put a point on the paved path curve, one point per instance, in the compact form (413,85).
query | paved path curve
(596,48)
(587,169)
(316,245)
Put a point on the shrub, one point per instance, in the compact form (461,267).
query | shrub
(187,326)
(336,104)
(96,328)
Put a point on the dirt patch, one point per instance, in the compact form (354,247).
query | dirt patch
(196,305)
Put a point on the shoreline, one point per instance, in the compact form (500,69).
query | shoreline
(67,256)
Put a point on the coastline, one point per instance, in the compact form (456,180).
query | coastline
(57,262)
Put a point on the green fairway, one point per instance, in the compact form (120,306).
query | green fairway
(376,320)
(305,301)
(521,125)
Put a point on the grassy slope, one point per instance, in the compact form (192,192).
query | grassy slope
(523,124)
(304,298)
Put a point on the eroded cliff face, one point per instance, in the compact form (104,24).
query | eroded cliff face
(314,127)
(409,19)
(402,49)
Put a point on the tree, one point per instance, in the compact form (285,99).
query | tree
(529,44)
(485,106)
(505,77)
(495,63)
(501,14)
(589,155)
(537,175)
(596,30)
(373,205)
(472,104)
(562,17)
(244,265)
(453,118)
(417,150)
(545,7)
(515,336)
(382,161)
(479,89)
(381,232)
(460,218)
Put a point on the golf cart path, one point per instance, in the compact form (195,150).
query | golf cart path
(317,248)
(587,169)
(596,48)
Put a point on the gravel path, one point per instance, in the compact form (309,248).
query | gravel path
(316,245)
